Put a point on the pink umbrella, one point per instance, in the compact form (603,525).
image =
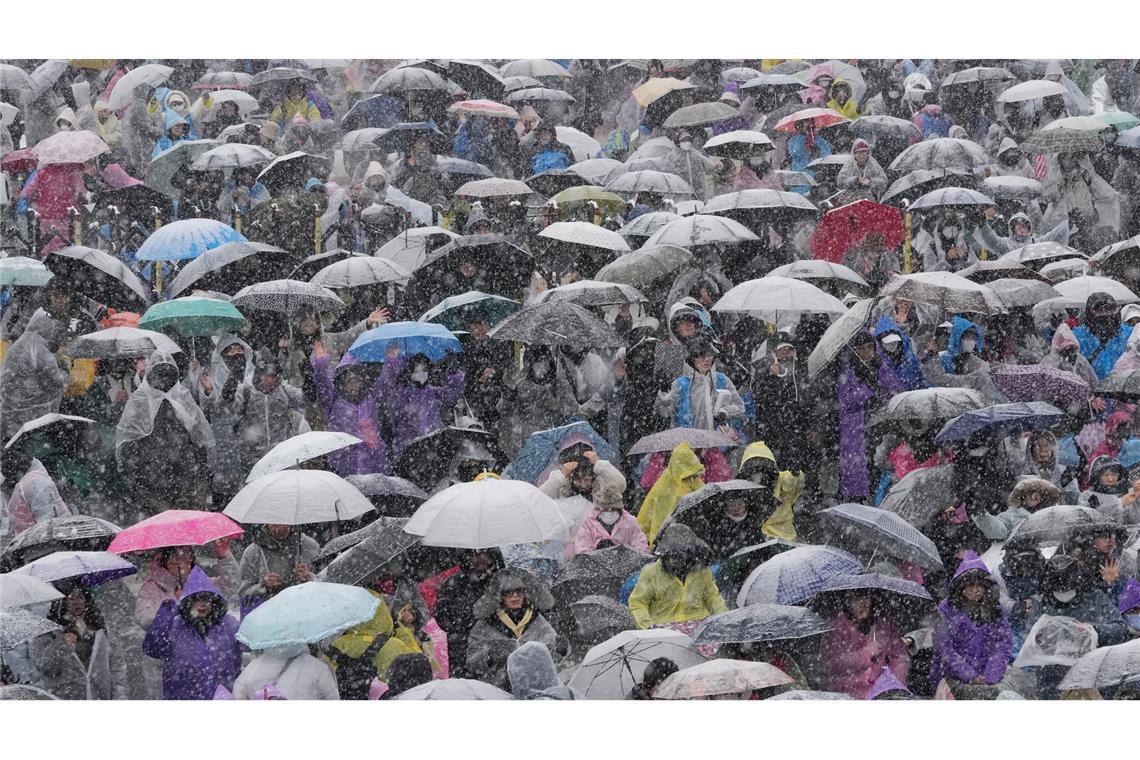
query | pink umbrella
(70,148)
(820,117)
(488,108)
(175,527)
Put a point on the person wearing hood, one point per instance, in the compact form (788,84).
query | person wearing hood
(295,103)
(266,410)
(351,404)
(1041,462)
(175,130)
(292,671)
(241,193)
(508,615)
(278,557)
(960,366)
(1073,191)
(81,661)
(1011,162)
(1118,429)
(581,473)
(163,443)
(682,476)
(1065,354)
(354,652)
(176,102)
(1102,337)
(679,586)
(406,672)
(930,119)
(690,164)
(417,394)
(862,641)
(532,674)
(973,638)
(1020,233)
(195,639)
(804,147)
(32,494)
(840,100)
(864,384)
(408,637)
(898,354)
(230,366)
(607,524)
(32,379)
(701,397)
(784,408)
(51,191)
(861,173)
(455,603)
(1101,549)
(1109,484)
(945,246)
(545,153)
(540,399)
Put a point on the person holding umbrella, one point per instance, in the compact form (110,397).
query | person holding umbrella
(417,393)
(455,603)
(265,410)
(295,103)
(351,405)
(864,383)
(32,379)
(701,398)
(861,642)
(581,473)
(540,399)
(280,556)
(81,662)
(679,586)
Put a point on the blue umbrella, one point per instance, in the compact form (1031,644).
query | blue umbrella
(1001,420)
(376,111)
(879,530)
(452,165)
(796,575)
(541,450)
(94,568)
(305,614)
(187,239)
(450,311)
(412,337)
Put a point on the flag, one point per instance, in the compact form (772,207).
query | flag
(1040,166)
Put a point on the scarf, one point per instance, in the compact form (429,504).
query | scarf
(519,628)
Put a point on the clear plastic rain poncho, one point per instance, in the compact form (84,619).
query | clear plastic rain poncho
(144,404)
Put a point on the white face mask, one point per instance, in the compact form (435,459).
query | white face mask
(609,516)
(1064,597)
(540,370)
(736,519)
(968,345)
(685,146)
(420,376)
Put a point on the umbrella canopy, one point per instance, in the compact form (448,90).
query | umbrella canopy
(903,601)
(493,187)
(360,270)
(760,206)
(166,165)
(658,87)
(702,508)
(1119,257)
(839,334)
(978,74)
(293,167)
(1078,289)
(820,117)
(297,497)
(431,339)
(510,84)
(174,527)
(921,494)
(410,79)
(409,249)
(917,182)
(1105,667)
(534,67)
(452,312)
(646,224)
(539,94)
(15,78)
(578,194)
(120,343)
(358,563)
(1017,293)
(881,126)
(375,485)
(1031,90)
(232,156)
(20,590)
(489,513)
(1035,255)
(23,272)
(585,234)
(1058,524)
(917,410)
(847,226)
(362,140)
(43,422)
(1060,140)
(739,144)
(1120,385)
(18,626)
(427,459)
(941,153)
(595,170)
(1012,188)
(646,266)
(476,76)
(819,271)
(668,440)
(71,533)
(1064,269)
(611,669)
(300,448)
(601,572)
(186,239)
(540,451)
(458,689)
(591,293)
(985,272)
(1039,382)
(760,622)
(280,74)
(99,276)
(1130,138)
(286,297)
(699,115)
(951,196)
(383,524)
(799,695)
(650,181)
(486,108)
(223,80)
(557,323)
(595,614)
(702,229)
(1001,420)
(771,297)
(149,74)
(721,676)
(243,101)
(19,161)
(23,692)
(70,148)
(305,614)
(93,568)
(193,316)
(796,575)
(951,293)
(878,530)
(232,266)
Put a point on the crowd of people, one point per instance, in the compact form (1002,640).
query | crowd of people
(583,379)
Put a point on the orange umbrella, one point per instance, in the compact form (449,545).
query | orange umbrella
(658,87)
(849,225)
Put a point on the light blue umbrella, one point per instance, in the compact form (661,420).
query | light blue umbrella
(186,239)
(451,311)
(23,271)
(426,338)
(879,530)
(796,575)
(305,614)
(541,450)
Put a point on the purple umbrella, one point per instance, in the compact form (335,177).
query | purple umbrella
(1039,382)
(94,568)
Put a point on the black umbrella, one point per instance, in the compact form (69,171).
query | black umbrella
(291,169)
(278,75)
(557,323)
(504,270)
(99,276)
(428,458)
(348,540)
(233,266)
(1124,386)
(74,533)
(736,568)
(571,586)
(390,495)
(596,614)
(477,77)
(554,181)
(1061,523)
(917,183)
(701,509)
(760,622)
(621,561)
(903,601)
(358,563)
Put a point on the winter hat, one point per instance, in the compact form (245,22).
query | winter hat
(270,130)
(1007,144)
(1130,311)
(314,184)
(860,144)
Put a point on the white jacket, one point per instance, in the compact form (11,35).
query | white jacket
(292,670)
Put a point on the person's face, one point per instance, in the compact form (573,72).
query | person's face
(102,116)
(865,351)
(480,562)
(686,328)
(1109,478)
(407,617)
(180,562)
(861,157)
(308,325)
(860,608)
(974,592)
(1021,229)
(785,354)
(229,109)
(177,131)
(58,303)
(841,95)
(468,269)
(478,330)
(202,606)
(703,364)
(353,385)
(295,92)
(736,509)
(583,483)
(76,604)
(1033,499)
(514,599)
(1043,450)
(1105,544)
(163,377)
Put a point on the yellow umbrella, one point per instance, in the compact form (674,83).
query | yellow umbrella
(585,193)
(658,87)
(98,64)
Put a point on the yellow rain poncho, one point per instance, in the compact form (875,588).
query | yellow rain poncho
(850,109)
(355,641)
(681,477)
(660,597)
(788,489)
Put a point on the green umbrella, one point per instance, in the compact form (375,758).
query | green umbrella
(22,271)
(645,265)
(193,316)
(452,312)
(1120,120)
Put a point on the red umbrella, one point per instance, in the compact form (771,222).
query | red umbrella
(848,225)
(19,161)
(821,117)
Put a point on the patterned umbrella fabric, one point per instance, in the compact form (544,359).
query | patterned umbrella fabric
(556,323)
(286,297)
(795,576)
(881,531)
(18,626)
(1039,382)
(760,622)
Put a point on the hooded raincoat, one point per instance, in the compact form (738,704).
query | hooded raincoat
(31,380)
(415,410)
(1065,354)
(681,477)
(970,646)
(532,675)
(294,672)
(1103,340)
(361,419)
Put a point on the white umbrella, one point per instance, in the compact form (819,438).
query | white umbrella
(360,270)
(1031,90)
(43,421)
(611,669)
(585,233)
(286,297)
(945,290)
(581,144)
(151,74)
(768,297)
(595,170)
(232,156)
(466,689)
(246,103)
(300,448)
(1078,289)
(594,293)
(721,676)
(493,187)
(120,342)
(20,590)
(650,181)
(702,229)
(409,248)
(1039,253)
(297,497)
(1064,269)
(645,225)
(534,67)
(752,139)
(488,513)
(818,269)
(689,207)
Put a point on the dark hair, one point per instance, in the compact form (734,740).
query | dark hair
(91,614)
(657,671)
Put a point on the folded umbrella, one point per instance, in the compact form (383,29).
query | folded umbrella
(1039,382)
(305,614)
(187,239)
(92,568)
(904,602)
(23,272)
(428,338)
(193,316)
(668,440)
(721,676)
(20,590)
(120,343)
(1001,420)
(950,293)
(356,271)
(286,297)
(847,226)
(760,622)
(771,297)
(540,451)
(1105,667)
(881,531)
(299,449)
(611,669)
(556,323)
(18,626)
(297,497)
(795,576)
(458,689)
(174,527)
